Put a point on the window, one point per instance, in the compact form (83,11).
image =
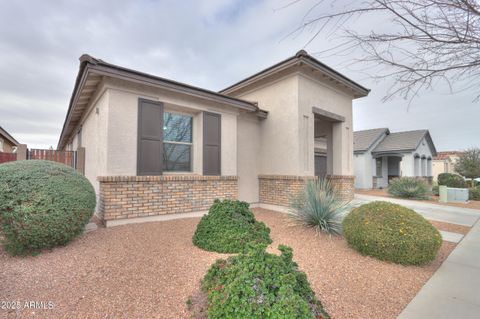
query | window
(177,142)
(1,145)
(378,165)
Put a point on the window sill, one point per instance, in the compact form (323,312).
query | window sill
(179,173)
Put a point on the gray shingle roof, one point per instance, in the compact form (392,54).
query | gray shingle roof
(402,141)
(363,140)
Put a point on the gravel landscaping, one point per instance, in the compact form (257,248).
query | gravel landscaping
(150,270)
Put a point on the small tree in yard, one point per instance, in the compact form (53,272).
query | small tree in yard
(468,164)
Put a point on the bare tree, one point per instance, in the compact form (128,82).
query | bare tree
(423,42)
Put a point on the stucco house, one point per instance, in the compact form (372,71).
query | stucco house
(444,162)
(380,155)
(7,142)
(155,147)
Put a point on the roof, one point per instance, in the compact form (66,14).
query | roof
(363,140)
(8,137)
(302,57)
(446,155)
(92,70)
(404,141)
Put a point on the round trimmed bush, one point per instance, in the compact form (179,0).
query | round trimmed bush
(408,187)
(229,227)
(474,193)
(451,180)
(43,204)
(257,284)
(393,233)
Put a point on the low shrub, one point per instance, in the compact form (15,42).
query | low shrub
(451,180)
(257,284)
(408,187)
(436,190)
(229,227)
(42,205)
(393,233)
(474,193)
(319,206)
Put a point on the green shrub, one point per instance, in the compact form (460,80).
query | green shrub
(319,206)
(229,227)
(451,180)
(260,285)
(474,193)
(435,190)
(391,232)
(42,205)
(408,187)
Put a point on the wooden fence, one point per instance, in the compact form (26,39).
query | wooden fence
(65,157)
(7,157)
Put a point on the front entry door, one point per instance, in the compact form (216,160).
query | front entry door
(320,166)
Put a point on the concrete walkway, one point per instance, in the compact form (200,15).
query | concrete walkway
(448,214)
(453,290)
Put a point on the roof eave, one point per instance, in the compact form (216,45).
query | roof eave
(300,57)
(10,138)
(90,64)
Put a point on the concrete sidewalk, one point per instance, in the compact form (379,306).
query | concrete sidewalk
(448,214)
(453,290)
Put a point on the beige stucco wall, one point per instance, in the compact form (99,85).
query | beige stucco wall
(248,144)
(279,133)
(444,166)
(314,92)
(123,122)
(94,131)
(286,137)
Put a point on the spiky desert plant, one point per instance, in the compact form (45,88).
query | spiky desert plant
(408,187)
(319,206)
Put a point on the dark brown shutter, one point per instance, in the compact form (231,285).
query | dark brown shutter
(211,143)
(150,137)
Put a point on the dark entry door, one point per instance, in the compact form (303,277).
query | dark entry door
(320,166)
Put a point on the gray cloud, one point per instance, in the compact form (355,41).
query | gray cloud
(206,43)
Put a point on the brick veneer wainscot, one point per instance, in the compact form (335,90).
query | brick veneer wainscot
(278,189)
(140,196)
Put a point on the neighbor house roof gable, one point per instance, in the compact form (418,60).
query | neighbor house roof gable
(364,140)
(404,141)
(8,137)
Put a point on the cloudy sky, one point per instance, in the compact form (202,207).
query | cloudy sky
(211,44)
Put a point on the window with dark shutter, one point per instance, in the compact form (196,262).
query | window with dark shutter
(150,137)
(211,144)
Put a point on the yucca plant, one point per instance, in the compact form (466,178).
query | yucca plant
(408,187)
(319,206)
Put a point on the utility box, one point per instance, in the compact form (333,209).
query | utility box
(443,194)
(457,194)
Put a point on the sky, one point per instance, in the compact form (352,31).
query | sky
(210,44)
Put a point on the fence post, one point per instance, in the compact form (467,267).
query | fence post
(22,152)
(81,160)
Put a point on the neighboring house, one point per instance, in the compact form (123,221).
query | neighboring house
(381,155)
(154,146)
(7,143)
(444,162)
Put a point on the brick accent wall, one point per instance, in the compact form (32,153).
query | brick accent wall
(140,196)
(278,189)
(344,184)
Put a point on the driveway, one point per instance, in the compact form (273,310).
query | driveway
(452,291)
(447,214)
